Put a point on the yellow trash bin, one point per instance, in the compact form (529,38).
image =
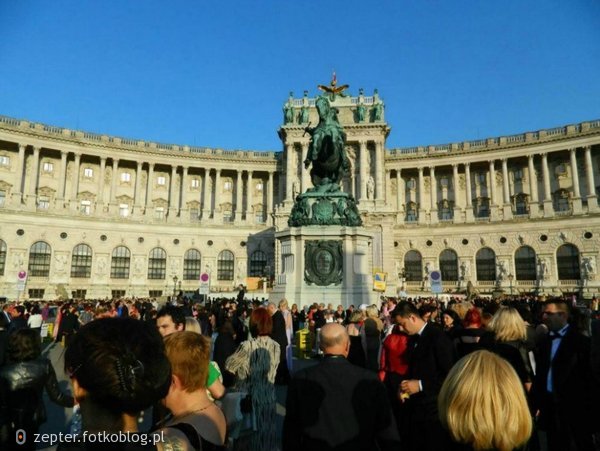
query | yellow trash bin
(303,346)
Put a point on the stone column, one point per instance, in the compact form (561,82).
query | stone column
(172,194)
(149,189)
(138,187)
(388,186)
(35,172)
(379,170)
(469,201)
(207,195)
(75,182)
(534,203)
(289,173)
(239,188)
(507,207)
(493,195)
(305,173)
(100,197)
(184,189)
(17,195)
(62,176)
(113,184)
(548,207)
(575,177)
(433,195)
(422,216)
(270,194)
(592,197)
(363,170)
(458,205)
(217,213)
(399,192)
(249,200)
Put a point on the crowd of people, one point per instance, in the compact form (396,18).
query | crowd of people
(413,374)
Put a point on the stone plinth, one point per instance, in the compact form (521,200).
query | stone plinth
(328,264)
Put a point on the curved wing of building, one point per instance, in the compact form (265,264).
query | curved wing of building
(89,215)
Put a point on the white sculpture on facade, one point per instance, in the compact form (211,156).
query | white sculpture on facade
(542,268)
(465,269)
(588,266)
(370,188)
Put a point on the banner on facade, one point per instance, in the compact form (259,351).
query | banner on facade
(379,281)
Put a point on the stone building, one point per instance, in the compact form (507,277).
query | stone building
(94,215)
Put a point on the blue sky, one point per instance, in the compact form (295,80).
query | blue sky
(216,73)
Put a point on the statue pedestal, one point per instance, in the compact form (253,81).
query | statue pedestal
(328,264)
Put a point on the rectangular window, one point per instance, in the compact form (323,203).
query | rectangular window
(259,217)
(480,178)
(227,216)
(518,175)
(411,184)
(116,294)
(194,214)
(43,203)
(86,207)
(123,210)
(2,198)
(227,186)
(161,180)
(195,183)
(79,294)
(48,167)
(36,293)
(155,293)
(159,213)
(125,177)
(88,173)
(4,160)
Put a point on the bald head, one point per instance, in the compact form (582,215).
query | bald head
(335,339)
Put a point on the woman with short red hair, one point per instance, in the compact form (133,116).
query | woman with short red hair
(255,365)
(467,339)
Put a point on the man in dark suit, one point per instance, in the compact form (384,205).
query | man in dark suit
(280,336)
(565,391)
(336,405)
(431,355)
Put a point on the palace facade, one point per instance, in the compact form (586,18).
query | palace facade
(85,214)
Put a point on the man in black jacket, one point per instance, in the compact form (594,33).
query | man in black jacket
(431,355)
(280,336)
(565,390)
(336,405)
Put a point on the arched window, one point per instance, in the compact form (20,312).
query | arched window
(567,262)
(449,265)
(525,268)
(413,266)
(81,261)
(39,259)
(485,261)
(157,264)
(119,264)
(2,257)
(192,265)
(225,266)
(258,261)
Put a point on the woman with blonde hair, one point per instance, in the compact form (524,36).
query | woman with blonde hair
(195,419)
(373,327)
(507,338)
(482,404)
(358,346)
